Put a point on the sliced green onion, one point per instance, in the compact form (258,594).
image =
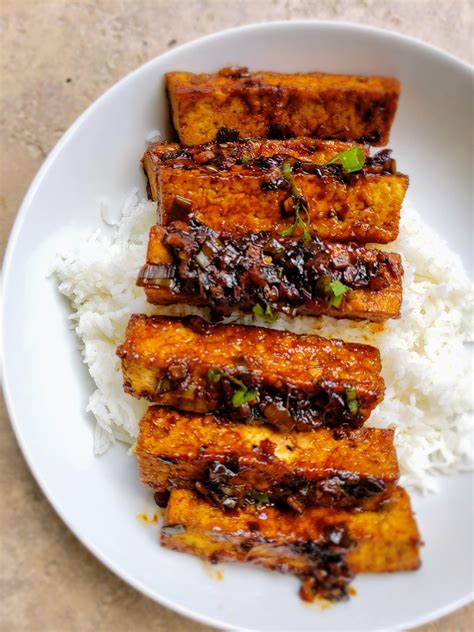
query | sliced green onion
(210,169)
(214,375)
(241,395)
(181,202)
(288,232)
(299,204)
(259,497)
(267,314)
(245,159)
(286,171)
(212,246)
(271,316)
(203,260)
(337,291)
(352,401)
(353,407)
(244,395)
(180,208)
(304,225)
(299,222)
(351,160)
(153,274)
(209,250)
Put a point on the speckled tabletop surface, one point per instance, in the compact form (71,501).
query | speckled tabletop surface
(57,56)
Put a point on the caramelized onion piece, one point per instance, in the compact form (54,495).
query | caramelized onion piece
(152,274)
(278,415)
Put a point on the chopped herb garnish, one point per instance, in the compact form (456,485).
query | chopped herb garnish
(267,314)
(181,202)
(259,497)
(353,407)
(241,395)
(214,375)
(286,171)
(352,401)
(258,311)
(244,395)
(337,291)
(351,160)
(288,232)
(299,205)
(245,159)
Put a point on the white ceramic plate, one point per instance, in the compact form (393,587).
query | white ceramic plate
(47,386)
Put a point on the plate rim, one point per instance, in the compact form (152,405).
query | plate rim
(6,272)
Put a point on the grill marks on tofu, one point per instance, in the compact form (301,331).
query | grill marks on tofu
(344,107)
(195,265)
(249,198)
(234,464)
(217,156)
(251,373)
(323,546)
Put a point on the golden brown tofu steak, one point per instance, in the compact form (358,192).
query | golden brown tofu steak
(361,206)
(267,274)
(235,464)
(235,101)
(324,546)
(250,373)
(215,156)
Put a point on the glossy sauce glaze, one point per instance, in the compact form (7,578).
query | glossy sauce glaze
(269,273)
(251,373)
(232,463)
(362,206)
(279,105)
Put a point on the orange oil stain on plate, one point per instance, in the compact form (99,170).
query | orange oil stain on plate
(147,520)
(212,572)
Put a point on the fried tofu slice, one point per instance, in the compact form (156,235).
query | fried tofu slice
(324,546)
(217,155)
(250,373)
(233,464)
(343,107)
(197,266)
(363,207)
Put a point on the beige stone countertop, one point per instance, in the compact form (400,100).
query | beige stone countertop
(57,56)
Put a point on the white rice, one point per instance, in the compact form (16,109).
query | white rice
(426,365)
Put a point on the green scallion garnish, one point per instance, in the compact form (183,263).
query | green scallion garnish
(258,497)
(243,395)
(351,160)
(286,171)
(245,159)
(267,314)
(214,375)
(352,401)
(337,291)
(299,204)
